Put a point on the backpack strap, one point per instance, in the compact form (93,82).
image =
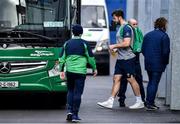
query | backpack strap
(132,37)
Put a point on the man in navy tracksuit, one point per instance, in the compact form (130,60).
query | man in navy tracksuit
(156,49)
(75,55)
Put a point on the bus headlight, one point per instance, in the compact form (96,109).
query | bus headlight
(55,70)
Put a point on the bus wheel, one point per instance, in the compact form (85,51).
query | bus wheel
(59,99)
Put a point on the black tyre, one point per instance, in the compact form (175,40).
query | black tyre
(59,99)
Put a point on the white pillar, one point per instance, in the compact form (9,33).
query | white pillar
(174,24)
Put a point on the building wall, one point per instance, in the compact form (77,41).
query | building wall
(111,6)
(174,30)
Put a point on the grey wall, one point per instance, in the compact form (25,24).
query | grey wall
(146,11)
(174,18)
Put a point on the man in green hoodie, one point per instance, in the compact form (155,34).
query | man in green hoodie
(75,55)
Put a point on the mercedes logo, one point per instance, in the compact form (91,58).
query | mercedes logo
(5,46)
(5,67)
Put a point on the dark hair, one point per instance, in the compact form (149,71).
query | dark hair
(118,13)
(160,23)
(77,30)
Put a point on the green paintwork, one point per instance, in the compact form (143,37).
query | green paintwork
(34,80)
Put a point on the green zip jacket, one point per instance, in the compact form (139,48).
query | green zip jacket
(75,55)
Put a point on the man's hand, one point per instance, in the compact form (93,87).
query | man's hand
(95,73)
(111,47)
(62,75)
(112,50)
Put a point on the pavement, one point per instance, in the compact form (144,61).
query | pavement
(96,89)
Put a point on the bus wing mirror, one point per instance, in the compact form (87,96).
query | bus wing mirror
(73,10)
(21,9)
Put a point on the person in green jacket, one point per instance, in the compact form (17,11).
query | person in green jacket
(138,39)
(74,57)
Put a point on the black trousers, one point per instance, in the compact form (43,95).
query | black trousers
(75,85)
(154,79)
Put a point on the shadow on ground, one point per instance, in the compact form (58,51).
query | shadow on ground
(32,101)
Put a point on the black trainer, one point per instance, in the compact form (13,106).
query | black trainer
(122,104)
(69,117)
(151,107)
(75,118)
(156,107)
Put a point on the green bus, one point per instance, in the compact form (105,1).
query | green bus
(32,33)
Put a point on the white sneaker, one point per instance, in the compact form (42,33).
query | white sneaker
(106,104)
(137,105)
